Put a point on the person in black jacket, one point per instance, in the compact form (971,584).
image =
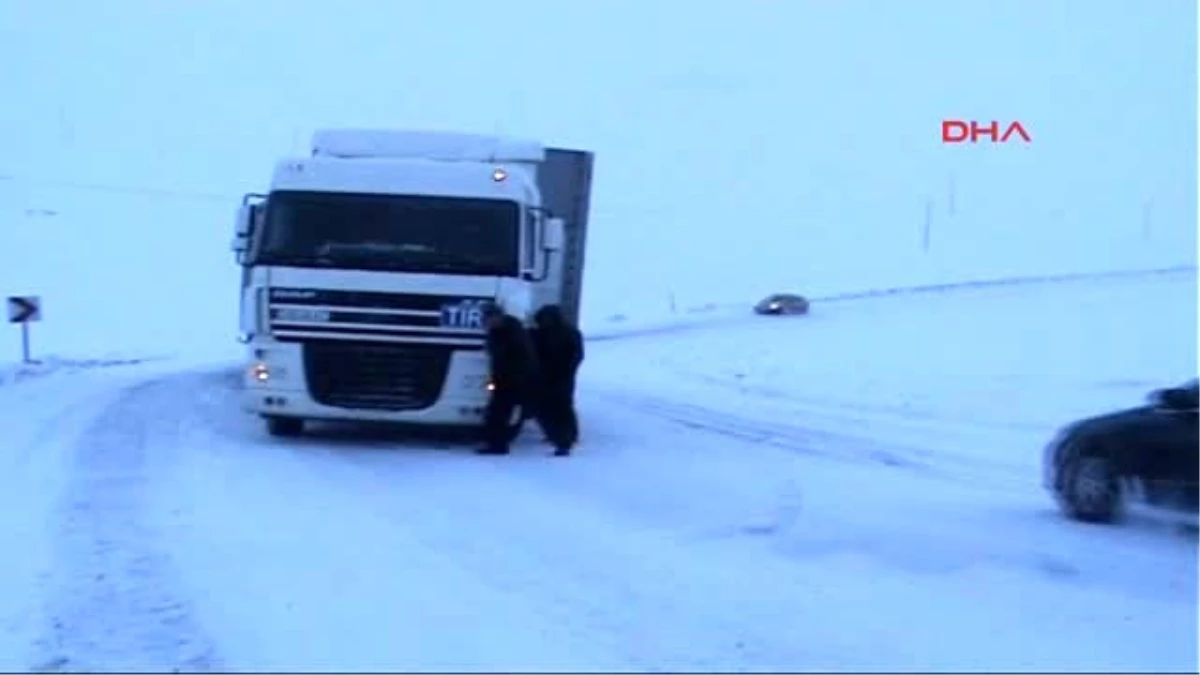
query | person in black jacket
(559,350)
(513,374)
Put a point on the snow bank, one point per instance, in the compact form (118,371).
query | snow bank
(17,373)
(1008,281)
(621,326)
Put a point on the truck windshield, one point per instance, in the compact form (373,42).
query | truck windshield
(437,235)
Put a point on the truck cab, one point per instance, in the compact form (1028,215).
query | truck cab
(366,265)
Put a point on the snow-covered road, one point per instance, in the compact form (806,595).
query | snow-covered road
(151,525)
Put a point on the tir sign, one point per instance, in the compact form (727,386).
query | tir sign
(465,314)
(969,131)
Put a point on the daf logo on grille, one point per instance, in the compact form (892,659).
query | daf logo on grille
(302,314)
(463,314)
(292,294)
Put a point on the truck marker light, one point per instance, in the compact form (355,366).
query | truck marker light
(260,372)
(499,175)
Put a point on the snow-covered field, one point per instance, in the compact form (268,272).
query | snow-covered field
(857,489)
(802,136)
(973,370)
(854,490)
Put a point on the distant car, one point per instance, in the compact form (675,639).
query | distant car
(1148,455)
(782,303)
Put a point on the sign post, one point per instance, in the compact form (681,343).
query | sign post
(24,310)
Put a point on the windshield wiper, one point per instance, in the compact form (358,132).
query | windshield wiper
(458,259)
(373,248)
(298,260)
(406,255)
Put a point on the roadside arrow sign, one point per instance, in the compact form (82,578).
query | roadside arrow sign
(24,309)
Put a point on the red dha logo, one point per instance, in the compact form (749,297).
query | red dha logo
(959,131)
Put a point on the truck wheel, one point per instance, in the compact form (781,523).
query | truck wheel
(1091,491)
(285,426)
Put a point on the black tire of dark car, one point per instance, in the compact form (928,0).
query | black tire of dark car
(1090,488)
(284,426)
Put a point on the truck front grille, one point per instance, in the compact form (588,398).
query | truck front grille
(375,376)
(304,314)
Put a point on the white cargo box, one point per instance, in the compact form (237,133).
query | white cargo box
(428,145)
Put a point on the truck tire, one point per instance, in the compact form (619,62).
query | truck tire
(1091,489)
(284,426)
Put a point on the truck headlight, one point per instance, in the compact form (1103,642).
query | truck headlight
(261,372)
(476,382)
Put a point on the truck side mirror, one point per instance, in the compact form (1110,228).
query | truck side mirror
(554,235)
(243,228)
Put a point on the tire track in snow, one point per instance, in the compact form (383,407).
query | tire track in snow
(115,604)
(824,444)
(963,540)
(600,590)
(37,440)
(524,569)
(641,594)
(846,438)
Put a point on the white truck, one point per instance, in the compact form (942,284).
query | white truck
(365,268)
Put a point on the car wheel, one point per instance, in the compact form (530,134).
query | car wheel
(1091,490)
(285,426)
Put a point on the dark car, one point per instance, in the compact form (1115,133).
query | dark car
(782,303)
(1148,455)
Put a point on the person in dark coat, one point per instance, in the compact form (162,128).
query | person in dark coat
(513,373)
(559,350)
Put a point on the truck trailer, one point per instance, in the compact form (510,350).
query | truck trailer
(366,266)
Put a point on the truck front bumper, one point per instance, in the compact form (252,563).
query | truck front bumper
(274,384)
